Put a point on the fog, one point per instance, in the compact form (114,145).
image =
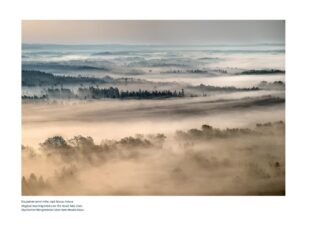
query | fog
(240,81)
(150,147)
(131,60)
(115,119)
(208,161)
(153,120)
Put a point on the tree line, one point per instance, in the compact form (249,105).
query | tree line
(100,93)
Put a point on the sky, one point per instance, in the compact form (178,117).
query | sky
(171,32)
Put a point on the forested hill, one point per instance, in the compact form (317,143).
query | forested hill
(39,78)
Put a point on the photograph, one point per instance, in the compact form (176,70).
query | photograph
(153,108)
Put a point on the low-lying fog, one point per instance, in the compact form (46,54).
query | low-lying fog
(225,135)
(243,81)
(200,161)
(137,148)
(117,118)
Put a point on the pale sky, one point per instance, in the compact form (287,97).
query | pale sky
(153,32)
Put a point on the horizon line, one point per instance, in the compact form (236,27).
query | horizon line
(153,44)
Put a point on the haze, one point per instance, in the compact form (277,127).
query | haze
(154,32)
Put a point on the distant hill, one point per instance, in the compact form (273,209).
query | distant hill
(60,66)
(209,88)
(276,85)
(262,72)
(39,78)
